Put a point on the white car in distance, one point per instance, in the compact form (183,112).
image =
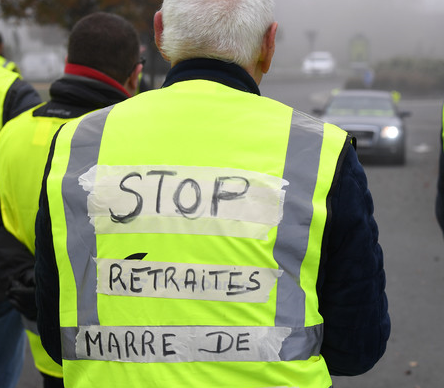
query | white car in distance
(319,62)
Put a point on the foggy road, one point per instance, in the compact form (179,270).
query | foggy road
(412,242)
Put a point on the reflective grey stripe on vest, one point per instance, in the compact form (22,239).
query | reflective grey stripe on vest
(301,170)
(302,163)
(6,63)
(85,152)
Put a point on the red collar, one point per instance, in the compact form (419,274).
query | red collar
(84,71)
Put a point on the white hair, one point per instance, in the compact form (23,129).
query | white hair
(230,30)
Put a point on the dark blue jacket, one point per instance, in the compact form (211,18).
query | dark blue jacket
(439,205)
(351,279)
(21,96)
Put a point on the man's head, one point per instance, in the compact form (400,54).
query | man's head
(230,30)
(105,42)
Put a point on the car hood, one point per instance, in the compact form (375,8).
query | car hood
(345,121)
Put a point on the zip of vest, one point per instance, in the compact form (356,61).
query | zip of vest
(217,199)
(7,78)
(26,135)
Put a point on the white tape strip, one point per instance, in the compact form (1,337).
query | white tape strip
(180,343)
(183,199)
(185,281)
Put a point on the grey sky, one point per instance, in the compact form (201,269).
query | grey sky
(392,28)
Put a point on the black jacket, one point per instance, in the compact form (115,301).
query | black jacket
(21,96)
(71,96)
(351,282)
(439,205)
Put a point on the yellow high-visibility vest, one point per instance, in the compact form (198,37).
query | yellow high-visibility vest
(7,78)
(188,225)
(24,146)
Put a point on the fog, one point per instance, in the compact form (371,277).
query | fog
(376,30)
(390,28)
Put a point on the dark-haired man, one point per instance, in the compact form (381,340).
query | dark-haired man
(102,69)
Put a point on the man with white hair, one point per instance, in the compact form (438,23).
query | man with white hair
(201,235)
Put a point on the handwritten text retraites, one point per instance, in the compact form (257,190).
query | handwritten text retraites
(185,281)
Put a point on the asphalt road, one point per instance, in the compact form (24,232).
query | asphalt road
(410,237)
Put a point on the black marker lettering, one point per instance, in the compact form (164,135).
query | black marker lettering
(89,339)
(185,211)
(165,344)
(159,188)
(203,280)
(132,287)
(190,279)
(147,343)
(232,286)
(239,342)
(247,289)
(252,280)
(113,277)
(136,256)
(113,343)
(219,194)
(137,278)
(154,272)
(216,273)
(129,343)
(170,278)
(124,219)
(220,336)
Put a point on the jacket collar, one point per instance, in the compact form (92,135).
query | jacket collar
(74,95)
(228,74)
(85,71)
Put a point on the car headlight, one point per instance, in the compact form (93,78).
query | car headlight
(390,132)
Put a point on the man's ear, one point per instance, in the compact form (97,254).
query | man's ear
(158,31)
(268,47)
(132,83)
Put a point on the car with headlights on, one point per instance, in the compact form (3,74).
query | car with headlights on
(373,118)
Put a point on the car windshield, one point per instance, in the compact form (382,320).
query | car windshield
(360,106)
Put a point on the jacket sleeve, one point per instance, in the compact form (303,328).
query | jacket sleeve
(15,260)
(439,205)
(46,275)
(351,282)
(21,96)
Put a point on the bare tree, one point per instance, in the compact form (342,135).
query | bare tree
(66,13)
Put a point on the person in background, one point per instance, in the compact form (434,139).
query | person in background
(16,96)
(201,235)
(102,69)
(439,203)
(5,63)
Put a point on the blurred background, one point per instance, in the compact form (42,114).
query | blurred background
(386,36)
(323,47)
